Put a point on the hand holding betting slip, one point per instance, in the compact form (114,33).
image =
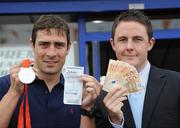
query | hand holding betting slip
(123,74)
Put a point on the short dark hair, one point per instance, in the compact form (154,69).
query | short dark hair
(133,15)
(50,22)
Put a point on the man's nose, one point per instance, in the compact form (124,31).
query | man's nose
(130,44)
(51,51)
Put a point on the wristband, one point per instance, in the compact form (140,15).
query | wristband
(90,113)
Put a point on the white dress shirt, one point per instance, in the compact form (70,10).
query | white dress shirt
(136,100)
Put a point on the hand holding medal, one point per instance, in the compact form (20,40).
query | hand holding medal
(26,74)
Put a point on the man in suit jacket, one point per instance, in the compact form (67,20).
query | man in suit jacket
(158,105)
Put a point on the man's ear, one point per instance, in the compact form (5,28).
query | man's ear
(31,44)
(151,43)
(68,47)
(112,43)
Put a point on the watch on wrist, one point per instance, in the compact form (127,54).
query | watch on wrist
(90,113)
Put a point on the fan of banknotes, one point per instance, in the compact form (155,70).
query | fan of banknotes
(122,74)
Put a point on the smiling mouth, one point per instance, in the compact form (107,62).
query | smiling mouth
(130,55)
(50,62)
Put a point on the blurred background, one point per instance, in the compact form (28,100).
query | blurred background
(90,22)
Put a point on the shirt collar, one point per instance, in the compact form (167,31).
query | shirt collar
(61,82)
(61,79)
(144,74)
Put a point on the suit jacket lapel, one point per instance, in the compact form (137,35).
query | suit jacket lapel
(128,117)
(155,84)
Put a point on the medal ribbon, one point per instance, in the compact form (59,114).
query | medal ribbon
(24,119)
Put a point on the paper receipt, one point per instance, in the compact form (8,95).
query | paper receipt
(73,85)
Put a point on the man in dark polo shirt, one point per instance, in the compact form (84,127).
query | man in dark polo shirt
(50,43)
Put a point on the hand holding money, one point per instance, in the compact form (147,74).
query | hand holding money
(122,74)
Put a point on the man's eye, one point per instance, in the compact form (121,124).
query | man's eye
(43,44)
(138,40)
(59,45)
(122,40)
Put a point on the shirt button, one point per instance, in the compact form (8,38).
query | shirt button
(46,92)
